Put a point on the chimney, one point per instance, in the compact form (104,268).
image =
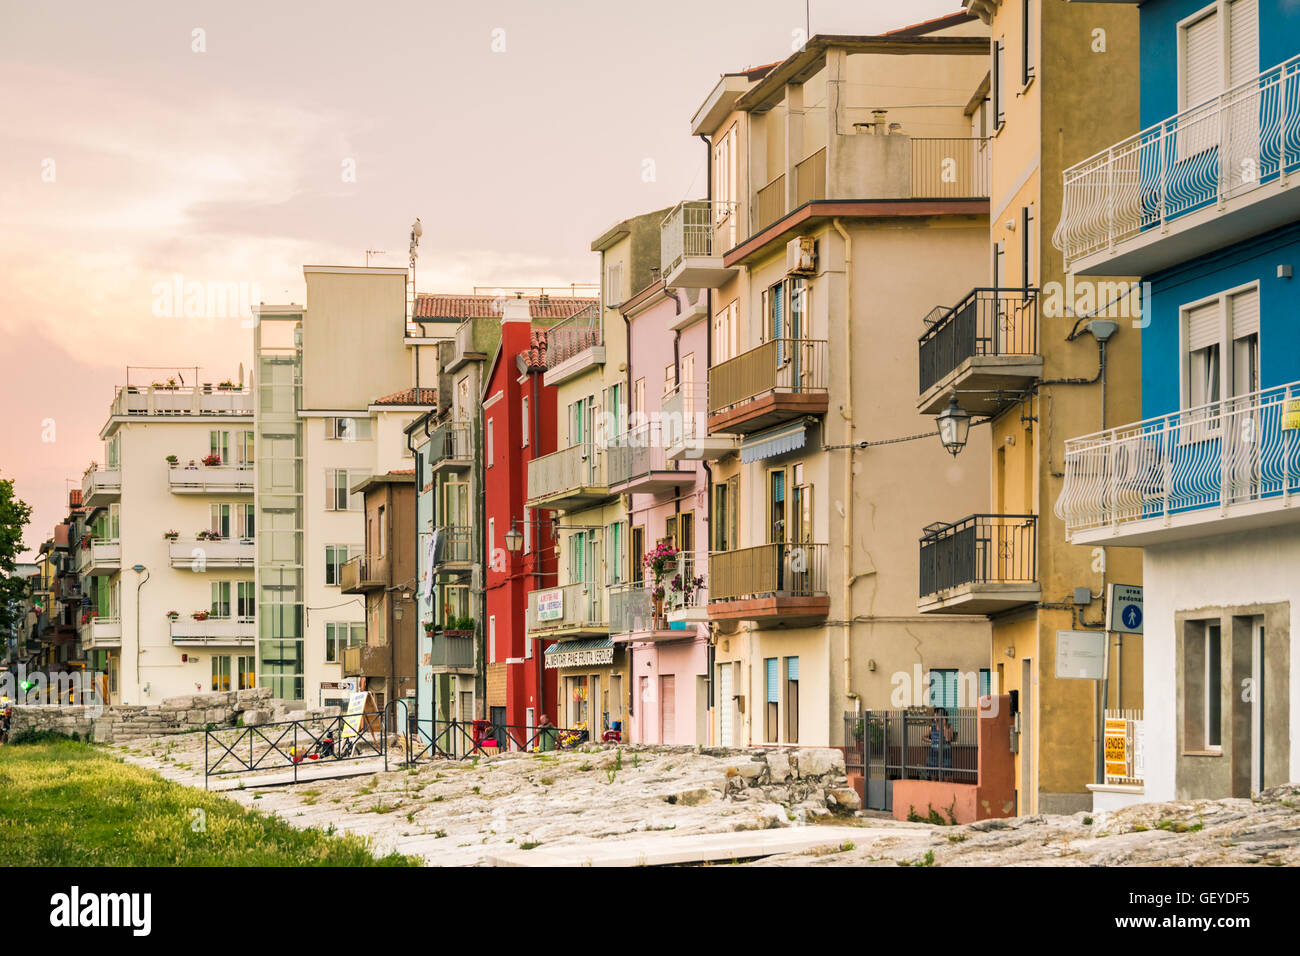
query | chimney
(516,310)
(878,122)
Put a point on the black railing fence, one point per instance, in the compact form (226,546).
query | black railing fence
(290,744)
(923,743)
(980,549)
(985,322)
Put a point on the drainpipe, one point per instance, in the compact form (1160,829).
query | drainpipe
(138,649)
(846,412)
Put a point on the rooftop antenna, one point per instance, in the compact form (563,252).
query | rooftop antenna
(373,252)
(417,230)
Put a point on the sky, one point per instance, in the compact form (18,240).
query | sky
(146,144)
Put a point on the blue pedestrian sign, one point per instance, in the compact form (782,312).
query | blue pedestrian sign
(1124,608)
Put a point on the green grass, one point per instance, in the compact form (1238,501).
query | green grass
(64,803)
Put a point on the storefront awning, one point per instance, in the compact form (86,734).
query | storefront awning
(776,441)
(580,653)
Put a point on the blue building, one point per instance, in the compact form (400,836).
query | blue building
(1202,206)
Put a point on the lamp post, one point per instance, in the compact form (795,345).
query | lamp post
(954,427)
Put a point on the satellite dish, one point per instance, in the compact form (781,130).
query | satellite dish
(417,230)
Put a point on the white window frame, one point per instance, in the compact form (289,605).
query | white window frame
(491,444)
(523,409)
(1225,341)
(492,638)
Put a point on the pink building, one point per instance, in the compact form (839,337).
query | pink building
(656,464)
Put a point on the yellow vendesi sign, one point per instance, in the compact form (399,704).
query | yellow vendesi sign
(1291,414)
(1117,750)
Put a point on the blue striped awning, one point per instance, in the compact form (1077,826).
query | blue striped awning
(582,644)
(775,441)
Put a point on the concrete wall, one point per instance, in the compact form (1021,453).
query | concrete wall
(352,336)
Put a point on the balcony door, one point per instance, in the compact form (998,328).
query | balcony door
(777,521)
(456,520)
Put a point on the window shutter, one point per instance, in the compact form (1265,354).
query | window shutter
(1204,326)
(1243,41)
(792,668)
(1202,61)
(773,695)
(1245,313)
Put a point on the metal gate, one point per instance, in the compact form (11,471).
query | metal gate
(925,743)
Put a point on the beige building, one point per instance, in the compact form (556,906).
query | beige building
(167,560)
(849,190)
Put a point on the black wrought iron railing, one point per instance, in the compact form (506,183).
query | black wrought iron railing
(923,743)
(985,322)
(980,549)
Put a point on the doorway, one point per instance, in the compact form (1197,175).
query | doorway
(667,708)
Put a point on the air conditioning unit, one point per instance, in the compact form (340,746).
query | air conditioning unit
(801,256)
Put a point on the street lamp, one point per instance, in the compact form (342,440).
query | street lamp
(954,427)
(514,539)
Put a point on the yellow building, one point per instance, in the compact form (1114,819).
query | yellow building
(1021,351)
(848,189)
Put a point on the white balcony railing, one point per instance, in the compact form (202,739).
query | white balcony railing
(102,631)
(203,479)
(182,400)
(688,231)
(226,630)
(100,484)
(638,454)
(1200,464)
(100,556)
(568,607)
(1228,146)
(570,469)
(197,555)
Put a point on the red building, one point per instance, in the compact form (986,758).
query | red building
(518,426)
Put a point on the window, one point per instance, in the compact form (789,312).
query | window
(670,378)
(383,514)
(792,700)
(221,672)
(220,599)
(491,441)
(686,531)
(615,552)
(724,519)
(113,452)
(341,635)
(492,638)
(523,410)
(1221,347)
(613,284)
(726,331)
(528,531)
(492,535)
(943,688)
(670,530)
(637,417)
(219,519)
(337,483)
(725,160)
(245,600)
(772,701)
(996,79)
(247,676)
(1027,246)
(776,528)
(1027,42)
(246,520)
(335,555)
(347,429)
(219,445)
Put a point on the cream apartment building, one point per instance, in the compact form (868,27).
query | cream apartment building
(167,563)
(848,192)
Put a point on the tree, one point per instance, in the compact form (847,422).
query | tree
(14,516)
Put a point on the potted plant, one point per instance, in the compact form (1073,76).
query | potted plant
(226,386)
(428,627)
(659,562)
(173,615)
(173,460)
(87,540)
(200,615)
(171,535)
(208,535)
(212,460)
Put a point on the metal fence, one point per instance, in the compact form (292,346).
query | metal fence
(986,322)
(1212,456)
(951,168)
(451,441)
(466,739)
(915,744)
(980,549)
(637,454)
(1239,141)
(797,570)
(791,365)
(573,336)
(290,744)
(567,606)
(687,231)
(569,469)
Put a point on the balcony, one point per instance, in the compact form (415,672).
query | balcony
(100,632)
(773,585)
(574,345)
(210,479)
(452,652)
(99,557)
(1198,181)
(637,463)
(985,348)
(239,632)
(194,554)
(569,610)
(573,477)
(779,381)
(684,422)
(979,565)
(100,486)
(1232,465)
(169,400)
(368,661)
(360,575)
(455,552)
(690,255)
(451,447)
(475,341)
(632,616)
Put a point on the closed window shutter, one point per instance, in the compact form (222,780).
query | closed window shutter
(792,668)
(1245,313)
(1202,61)
(1204,326)
(1243,41)
(773,696)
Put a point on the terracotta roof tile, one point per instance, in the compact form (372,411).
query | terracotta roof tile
(410,396)
(442,306)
